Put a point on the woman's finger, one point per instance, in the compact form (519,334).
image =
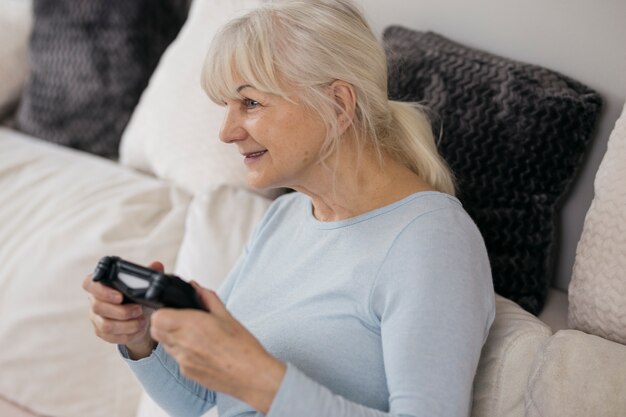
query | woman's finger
(87,282)
(167,337)
(102,292)
(210,299)
(157,265)
(116,311)
(174,326)
(108,327)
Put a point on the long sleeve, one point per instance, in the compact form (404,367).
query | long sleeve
(436,306)
(300,396)
(160,376)
(435,309)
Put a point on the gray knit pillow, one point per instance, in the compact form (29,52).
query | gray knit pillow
(514,134)
(90,61)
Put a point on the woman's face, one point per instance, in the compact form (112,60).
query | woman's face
(280,141)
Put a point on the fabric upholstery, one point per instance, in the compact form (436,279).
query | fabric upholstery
(10,409)
(578,375)
(503,371)
(217,228)
(15,27)
(514,135)
(61,211)
(90,61)
(186,149)
(597,292)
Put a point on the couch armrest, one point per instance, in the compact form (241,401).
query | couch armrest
(515,338)
(578,375)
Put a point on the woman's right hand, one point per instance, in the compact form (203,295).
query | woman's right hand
(122,324)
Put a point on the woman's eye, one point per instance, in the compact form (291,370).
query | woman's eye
(249,103)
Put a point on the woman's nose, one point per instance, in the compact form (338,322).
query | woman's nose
(232,129)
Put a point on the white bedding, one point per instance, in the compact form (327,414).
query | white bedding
(60,211)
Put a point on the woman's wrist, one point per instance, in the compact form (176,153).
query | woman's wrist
(137,351)
(266,385)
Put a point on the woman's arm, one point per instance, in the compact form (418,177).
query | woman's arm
(160,376)
(435,304)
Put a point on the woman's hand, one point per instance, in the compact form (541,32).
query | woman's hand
(123,324)
(217,351)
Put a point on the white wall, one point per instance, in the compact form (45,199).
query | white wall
(583,39)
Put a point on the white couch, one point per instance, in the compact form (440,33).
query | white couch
(179,196)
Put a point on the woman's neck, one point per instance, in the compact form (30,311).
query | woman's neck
(357,187)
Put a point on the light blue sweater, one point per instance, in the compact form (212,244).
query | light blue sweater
(384,314)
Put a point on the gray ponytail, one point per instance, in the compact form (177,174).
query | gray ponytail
(414,145)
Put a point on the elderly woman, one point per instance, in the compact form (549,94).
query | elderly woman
(367,292)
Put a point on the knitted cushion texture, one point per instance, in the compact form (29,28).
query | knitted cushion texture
(597,292)
(514,134)
(90,61)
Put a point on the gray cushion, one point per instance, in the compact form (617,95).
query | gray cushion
(514,134)
(90,61)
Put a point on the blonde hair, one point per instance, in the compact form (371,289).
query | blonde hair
(306,45)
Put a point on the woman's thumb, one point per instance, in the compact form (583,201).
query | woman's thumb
(157,266)
(210,299)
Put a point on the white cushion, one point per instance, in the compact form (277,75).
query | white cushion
(505,362)
(578,375)
(15,27)
(61,211)
(218,226)
(174,130)
(597,292)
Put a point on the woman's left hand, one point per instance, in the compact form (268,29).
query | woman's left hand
(217,351)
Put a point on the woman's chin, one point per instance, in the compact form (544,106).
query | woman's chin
(260,184)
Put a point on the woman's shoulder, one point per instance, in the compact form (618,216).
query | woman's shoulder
(427,207)
(431,201)
(439,214)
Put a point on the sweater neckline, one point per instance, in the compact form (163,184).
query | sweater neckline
(372,213)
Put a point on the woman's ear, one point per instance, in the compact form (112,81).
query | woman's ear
(344,97)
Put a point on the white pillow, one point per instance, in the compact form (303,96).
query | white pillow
(61,211)
(15,28)
(173,132)
(597,292)
(218,226)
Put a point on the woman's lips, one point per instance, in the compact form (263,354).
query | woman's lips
(254,156)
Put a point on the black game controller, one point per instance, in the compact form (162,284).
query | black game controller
(146,286)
